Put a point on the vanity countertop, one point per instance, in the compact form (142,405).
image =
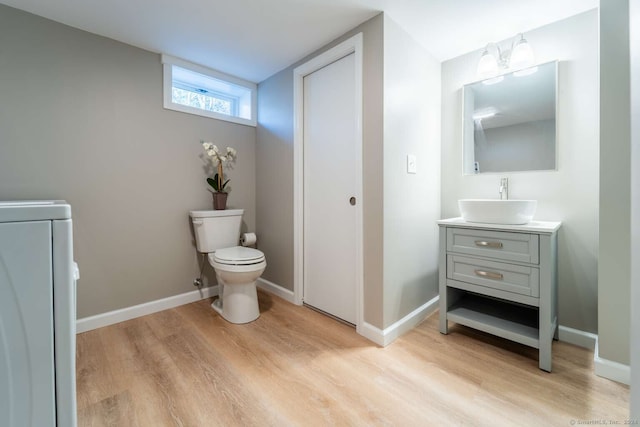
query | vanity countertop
(533,226)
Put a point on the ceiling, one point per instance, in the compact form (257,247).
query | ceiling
(253,39)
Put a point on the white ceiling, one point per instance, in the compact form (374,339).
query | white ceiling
(254,39)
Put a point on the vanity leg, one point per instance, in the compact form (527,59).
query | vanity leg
(546,334)
(444,324)
(442,304)
(545,356)
(548,320)
(442,282)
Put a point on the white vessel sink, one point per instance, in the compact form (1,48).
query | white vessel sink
(492,211)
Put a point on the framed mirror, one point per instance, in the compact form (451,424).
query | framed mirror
(509,122)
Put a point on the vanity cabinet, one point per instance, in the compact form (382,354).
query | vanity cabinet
(501,279)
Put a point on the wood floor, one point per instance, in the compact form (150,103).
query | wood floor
(296,367)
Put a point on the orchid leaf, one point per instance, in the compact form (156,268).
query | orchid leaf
(213,182)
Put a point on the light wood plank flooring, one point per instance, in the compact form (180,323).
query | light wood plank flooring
(295,367)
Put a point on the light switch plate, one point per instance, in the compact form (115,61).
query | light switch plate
(411,164)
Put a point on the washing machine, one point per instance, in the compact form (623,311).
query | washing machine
(37,314)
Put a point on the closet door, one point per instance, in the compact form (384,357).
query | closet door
(330,132)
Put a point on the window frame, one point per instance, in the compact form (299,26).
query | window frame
(168,62)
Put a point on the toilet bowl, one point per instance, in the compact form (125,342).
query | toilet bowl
(237,268)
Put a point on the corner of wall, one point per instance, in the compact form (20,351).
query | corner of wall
(610,369)
(411,203)
(634,16)
(614,258)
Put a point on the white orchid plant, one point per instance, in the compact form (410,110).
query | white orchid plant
(219,158)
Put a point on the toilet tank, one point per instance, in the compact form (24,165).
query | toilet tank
(216,229)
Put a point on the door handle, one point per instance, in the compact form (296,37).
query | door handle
(352,201)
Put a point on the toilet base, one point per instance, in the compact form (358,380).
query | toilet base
(238,303)
(217,305)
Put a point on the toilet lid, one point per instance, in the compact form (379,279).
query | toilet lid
(238,255)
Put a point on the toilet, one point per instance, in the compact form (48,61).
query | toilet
(237,267)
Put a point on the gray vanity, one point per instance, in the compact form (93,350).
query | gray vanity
(501,279)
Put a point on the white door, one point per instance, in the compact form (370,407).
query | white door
(330,131)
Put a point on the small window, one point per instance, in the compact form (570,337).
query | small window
(194,89)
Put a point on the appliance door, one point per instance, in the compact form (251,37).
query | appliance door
(65,274)
(27,394)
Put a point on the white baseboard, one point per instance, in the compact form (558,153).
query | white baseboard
(602,367)
(371,333)
(117,316)
(408,322)
(611,370)
(577,337)
(276,290)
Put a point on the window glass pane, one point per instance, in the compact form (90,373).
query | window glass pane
(193,89)
(209,93)
(202,101)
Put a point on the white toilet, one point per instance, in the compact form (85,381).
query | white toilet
(237,268)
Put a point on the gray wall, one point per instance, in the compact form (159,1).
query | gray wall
(274,169)
(411,201)
(274,177)
(569,194)
(81,119)
(634,16)
(614,268)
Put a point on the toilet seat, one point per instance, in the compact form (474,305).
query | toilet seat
(237,255)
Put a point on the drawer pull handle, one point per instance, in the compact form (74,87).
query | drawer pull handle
(488,244)
(488,274)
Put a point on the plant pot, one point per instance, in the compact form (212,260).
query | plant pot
(220,201)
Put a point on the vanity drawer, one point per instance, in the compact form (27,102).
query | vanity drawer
(519,247)
(497,275)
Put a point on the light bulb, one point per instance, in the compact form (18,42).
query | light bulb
(488,65)
(485,113)
(522,54)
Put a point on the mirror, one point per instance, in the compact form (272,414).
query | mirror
(510,122)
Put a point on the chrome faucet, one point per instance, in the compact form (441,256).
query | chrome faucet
(504,189)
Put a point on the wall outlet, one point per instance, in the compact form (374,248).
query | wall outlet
(411,164)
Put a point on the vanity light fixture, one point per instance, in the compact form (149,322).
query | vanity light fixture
(484,114)
(519,56)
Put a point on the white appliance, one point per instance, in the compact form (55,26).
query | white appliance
(37,315)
